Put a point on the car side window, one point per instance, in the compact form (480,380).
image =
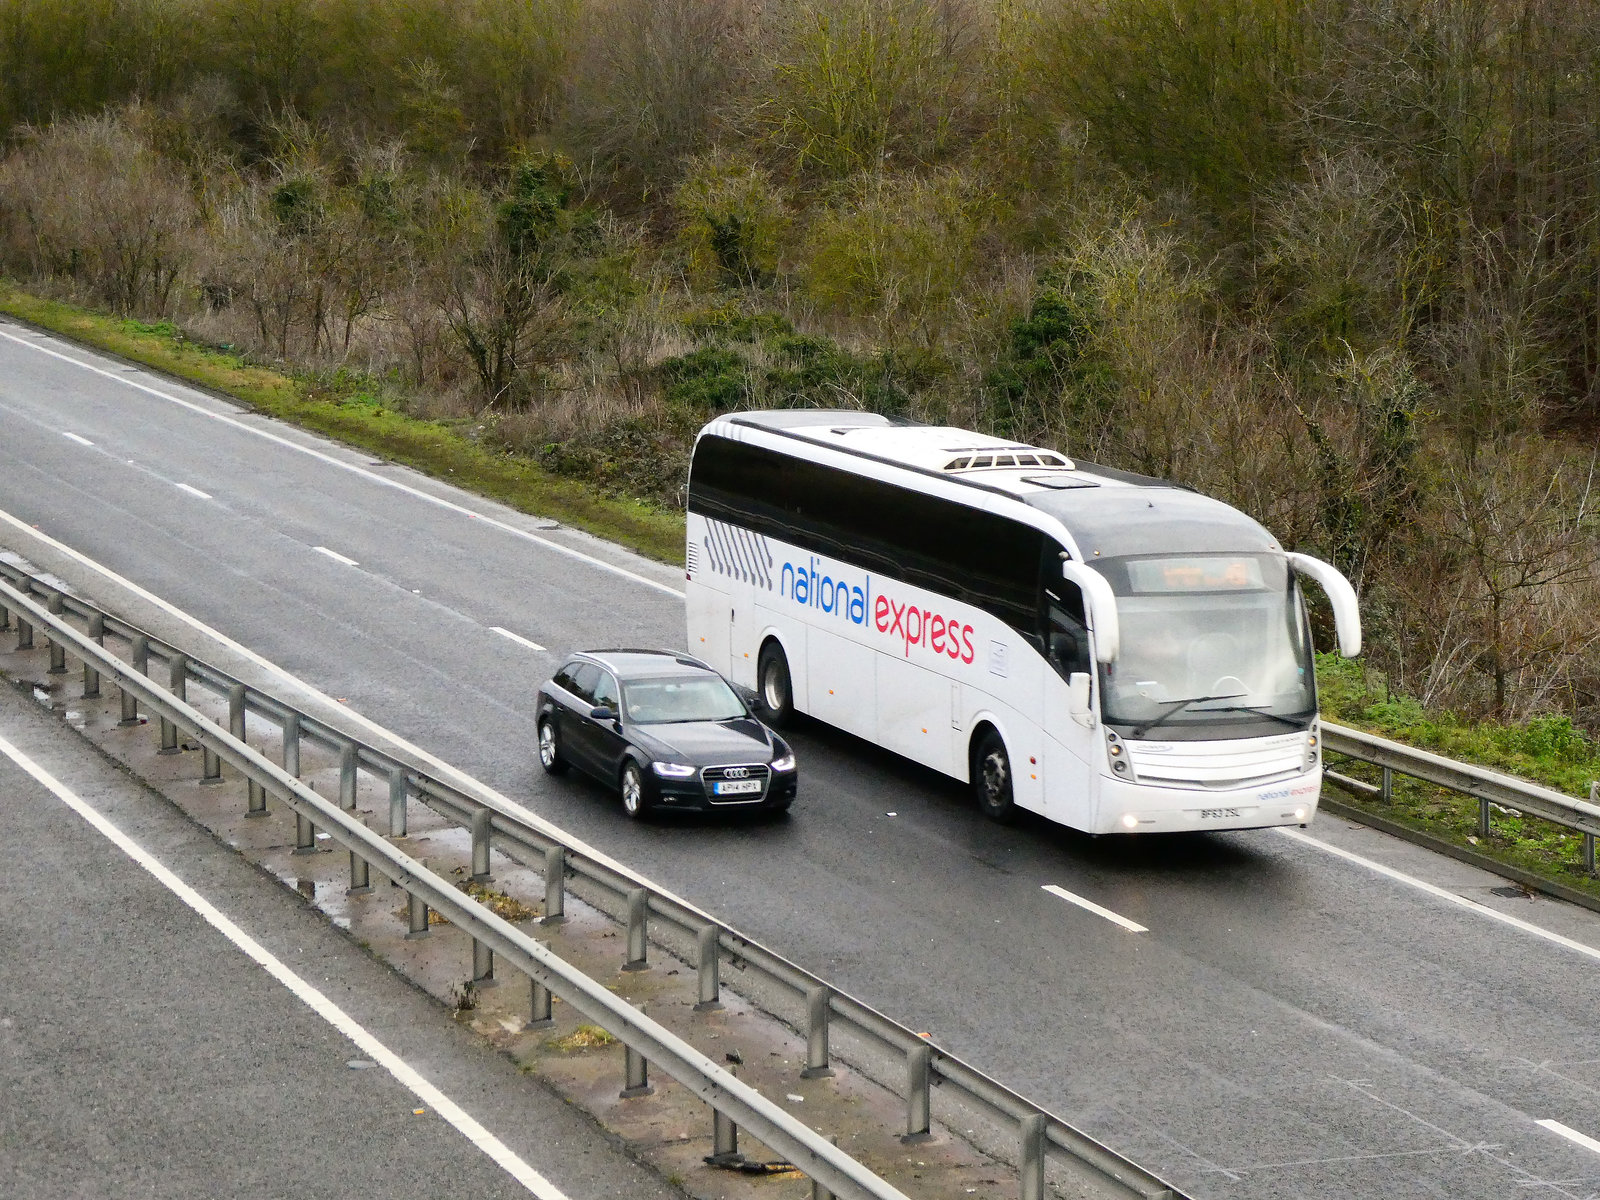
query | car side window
(563,677)
(584,678)
(605,692)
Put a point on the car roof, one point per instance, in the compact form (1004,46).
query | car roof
(644,664)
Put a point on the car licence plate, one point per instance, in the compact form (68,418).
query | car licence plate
(738,787)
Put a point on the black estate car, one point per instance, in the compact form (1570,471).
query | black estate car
(664,729)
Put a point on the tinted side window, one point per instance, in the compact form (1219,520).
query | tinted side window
(987,560)
(584,677)
(605,691)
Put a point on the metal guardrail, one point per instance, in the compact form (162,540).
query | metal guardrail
(1490,788)
(1042,1138)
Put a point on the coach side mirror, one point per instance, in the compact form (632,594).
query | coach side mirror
(1078,706)
(1346,608)
(1099,605)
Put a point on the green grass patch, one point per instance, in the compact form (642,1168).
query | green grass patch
(353,409)
(1548,750)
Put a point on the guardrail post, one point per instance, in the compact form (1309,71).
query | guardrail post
(637,1070)
(482,965)
(257,804)
(91,677)
(1483,816)
(1386,792)
(305,833)
(397,802)
(58,652)
(638,916)
(177,684)
(1032,1156)
(820,1191)
(710,970)
(482,834)
(724,1140)
(818,1002)
(24,634)
(419,917)
(539,1006)
(348,766)
(919,1101)
(5,617)
(130,704)
(555,886)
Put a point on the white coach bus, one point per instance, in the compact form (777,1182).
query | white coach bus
(1115,652)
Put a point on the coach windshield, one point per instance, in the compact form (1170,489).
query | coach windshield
(1210,644)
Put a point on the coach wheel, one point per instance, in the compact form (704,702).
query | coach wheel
(991,779)
(773,686)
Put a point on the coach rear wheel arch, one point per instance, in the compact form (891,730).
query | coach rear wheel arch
(991,776)
(774,688)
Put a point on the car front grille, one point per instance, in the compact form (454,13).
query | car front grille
(759,772)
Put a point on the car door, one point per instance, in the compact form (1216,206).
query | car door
(605,737)
(573,722)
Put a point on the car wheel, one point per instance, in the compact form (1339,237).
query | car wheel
(549,749)
(991,779)
(773,690)
(635,802)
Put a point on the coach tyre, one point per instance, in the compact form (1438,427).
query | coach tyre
(634,800)
(772,682)
(549,750)
(991,778)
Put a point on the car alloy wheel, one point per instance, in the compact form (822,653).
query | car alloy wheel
(633,799)
(549,750)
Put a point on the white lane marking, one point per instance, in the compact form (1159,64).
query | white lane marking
(330,1012)
(1483,910)
(77,437)
(1114,918)
(384,737)
(370,476)
(1572,1135)
(337,557)
(194,491)
(517,638)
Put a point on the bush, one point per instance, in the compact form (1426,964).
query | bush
(732,220)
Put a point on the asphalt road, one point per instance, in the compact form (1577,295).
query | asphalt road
(145,1054)
(1292,1022)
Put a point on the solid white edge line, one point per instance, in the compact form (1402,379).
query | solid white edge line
(517,638)
(1483,910)
(313,999)
(77,437)
(336,556)
(371,476)
(194,491)
(1114,918)
(1572,1135)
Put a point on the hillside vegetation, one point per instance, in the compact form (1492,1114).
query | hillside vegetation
(1334,261)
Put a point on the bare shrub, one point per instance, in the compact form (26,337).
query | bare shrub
(89,202)
(732,219)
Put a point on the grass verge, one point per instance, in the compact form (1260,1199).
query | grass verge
(354,409)
(1548,750)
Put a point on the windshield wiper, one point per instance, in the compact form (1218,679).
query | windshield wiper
(1178,706)
(1261,711)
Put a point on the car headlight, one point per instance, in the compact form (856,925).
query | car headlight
(673,770)
(784,763)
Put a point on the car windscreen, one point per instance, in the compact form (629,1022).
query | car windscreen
(693,698)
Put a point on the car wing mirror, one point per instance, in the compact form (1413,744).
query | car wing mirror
(601,713)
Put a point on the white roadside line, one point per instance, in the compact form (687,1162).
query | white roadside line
(517,638)
(296,684)
(1482,910)
(371,476)
(77,437)
(330,1012)
(193,491)
(1572,1135)
(1114,918)
(337,557)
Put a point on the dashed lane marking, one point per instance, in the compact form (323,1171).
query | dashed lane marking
(1114,918)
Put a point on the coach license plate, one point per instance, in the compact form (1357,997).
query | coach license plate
(738,787)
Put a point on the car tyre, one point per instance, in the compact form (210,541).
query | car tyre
(774,691)
(550,757)
(991,779)
(635,796)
